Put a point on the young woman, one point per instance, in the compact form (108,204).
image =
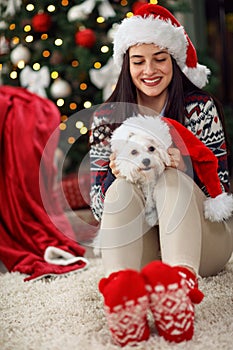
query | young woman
(148,267)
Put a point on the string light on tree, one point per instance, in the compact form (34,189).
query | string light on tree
(87,104)
(13,75)
(29,39)
(64,2)
(100,19)
(44,36)
(27,28)
(97,65)
(54,75)
(58,42)
(83,130)
(79,124)
(30,7)
(46,53)
(73,106)
(83,86)
(71,140)
(60,102)
(15,41)
(62,126)
(104,49)
(51,8)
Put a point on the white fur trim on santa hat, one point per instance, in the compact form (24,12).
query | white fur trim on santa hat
(138,30)
(219,208)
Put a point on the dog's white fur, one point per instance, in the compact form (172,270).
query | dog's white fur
(140,145)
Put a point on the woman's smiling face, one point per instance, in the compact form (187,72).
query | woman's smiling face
(151,69)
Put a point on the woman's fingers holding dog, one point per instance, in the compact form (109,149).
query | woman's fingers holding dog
(177,160)
(112,165)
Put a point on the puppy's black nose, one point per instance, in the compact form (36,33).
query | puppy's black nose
(146,162)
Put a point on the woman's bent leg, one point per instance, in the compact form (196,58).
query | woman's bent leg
(186,237)
(125,239)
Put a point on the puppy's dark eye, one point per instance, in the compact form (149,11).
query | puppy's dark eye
(134,152)
(151,149)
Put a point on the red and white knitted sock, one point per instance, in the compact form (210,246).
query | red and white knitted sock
(172,308)
(126,304)
(191,282)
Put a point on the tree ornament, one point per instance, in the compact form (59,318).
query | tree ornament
(60,89)
(3,25)
(4,46)
(85,38)
(81,12)
(35,81)
(105,78)
(11,7)
(111,32)
(41,22)
(20,53)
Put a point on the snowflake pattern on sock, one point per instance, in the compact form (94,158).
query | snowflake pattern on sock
(127,321)
(173,311)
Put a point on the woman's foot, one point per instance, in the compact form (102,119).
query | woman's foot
(126,305)
(170,303)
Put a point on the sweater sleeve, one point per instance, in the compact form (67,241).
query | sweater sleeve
(100,150)
(203,120)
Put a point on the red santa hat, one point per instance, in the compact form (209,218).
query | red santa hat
(155,24)
(168,132)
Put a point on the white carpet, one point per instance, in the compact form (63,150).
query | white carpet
(67,313)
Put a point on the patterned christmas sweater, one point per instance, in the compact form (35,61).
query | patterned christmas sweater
(201,118)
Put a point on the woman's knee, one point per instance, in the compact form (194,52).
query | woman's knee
(174,179)
(121,195)
(174,193)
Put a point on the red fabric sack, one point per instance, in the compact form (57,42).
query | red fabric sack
(31,218)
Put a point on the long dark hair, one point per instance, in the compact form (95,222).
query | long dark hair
(180,89)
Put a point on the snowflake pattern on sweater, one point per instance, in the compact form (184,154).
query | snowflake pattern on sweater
(201,118)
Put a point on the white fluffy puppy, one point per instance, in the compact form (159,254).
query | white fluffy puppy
(141,155)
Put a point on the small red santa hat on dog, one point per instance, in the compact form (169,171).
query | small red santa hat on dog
(169,132)
(154,24)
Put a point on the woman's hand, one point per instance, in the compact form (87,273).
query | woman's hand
(112,165)
(177,160)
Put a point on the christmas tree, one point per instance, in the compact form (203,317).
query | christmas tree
(62,50)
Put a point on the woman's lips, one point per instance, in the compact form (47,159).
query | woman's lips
(151,82)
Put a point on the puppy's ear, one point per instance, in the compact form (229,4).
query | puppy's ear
(164,156)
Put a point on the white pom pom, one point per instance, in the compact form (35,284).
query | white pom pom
(218,208)
(198,75)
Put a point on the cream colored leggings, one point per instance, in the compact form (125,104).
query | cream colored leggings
(182,237)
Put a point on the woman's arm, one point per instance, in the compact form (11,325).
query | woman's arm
(203,120)
(101,175)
